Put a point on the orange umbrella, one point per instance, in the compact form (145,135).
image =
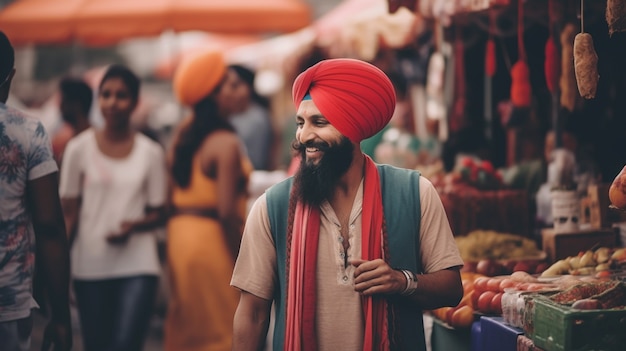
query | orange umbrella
(104,22)
(39,21)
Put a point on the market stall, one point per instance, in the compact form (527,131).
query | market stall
(568,292)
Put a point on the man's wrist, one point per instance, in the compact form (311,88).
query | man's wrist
(411,282)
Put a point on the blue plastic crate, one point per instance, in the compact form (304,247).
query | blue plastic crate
(498,336)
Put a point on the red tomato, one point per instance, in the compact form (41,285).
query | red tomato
(507,283)
(484,301)
(480,283)
(496,303)
(475,295)
(494,284)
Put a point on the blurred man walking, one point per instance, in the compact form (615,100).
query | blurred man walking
(31,220)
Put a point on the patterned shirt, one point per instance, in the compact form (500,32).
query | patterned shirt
(25,154)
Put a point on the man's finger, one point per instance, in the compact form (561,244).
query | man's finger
(357,262)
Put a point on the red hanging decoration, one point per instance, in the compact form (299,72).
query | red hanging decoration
(552,65)
(490,58)
(520,87)
(520,77)
(490,49)
(458,110)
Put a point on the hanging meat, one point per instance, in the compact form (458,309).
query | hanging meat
(616,15)
(586,65)
(567,82)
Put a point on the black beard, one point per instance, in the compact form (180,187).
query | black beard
(316,182)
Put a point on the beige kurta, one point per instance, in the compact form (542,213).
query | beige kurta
(339,306)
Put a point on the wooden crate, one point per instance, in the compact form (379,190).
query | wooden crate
(560,328)
(561,245)
(598,195)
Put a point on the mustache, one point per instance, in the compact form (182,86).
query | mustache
(298,146)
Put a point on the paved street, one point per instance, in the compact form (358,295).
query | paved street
(154,341)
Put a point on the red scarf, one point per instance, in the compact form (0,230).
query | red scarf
(300,329)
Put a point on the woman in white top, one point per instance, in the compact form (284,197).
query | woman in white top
(113,188)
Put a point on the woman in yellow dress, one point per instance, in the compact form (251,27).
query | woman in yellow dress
(209,175)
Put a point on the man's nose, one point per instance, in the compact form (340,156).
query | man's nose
(305,134)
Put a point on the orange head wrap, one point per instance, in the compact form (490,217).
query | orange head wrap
(197,77)
(356,97)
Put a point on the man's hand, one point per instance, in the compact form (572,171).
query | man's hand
(57,337)
(377,277)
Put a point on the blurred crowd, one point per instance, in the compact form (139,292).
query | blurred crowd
(122,185)
(115,195)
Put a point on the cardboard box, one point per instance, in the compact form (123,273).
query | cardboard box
(561,245)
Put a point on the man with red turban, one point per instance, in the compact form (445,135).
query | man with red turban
(349,251)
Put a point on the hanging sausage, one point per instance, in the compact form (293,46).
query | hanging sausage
(585,61)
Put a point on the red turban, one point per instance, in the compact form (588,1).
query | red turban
(356,97)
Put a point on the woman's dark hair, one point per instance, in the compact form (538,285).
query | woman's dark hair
(247,75)
(204,121)
(126,75)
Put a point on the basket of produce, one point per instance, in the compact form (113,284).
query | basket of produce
(589,316)
(493,253)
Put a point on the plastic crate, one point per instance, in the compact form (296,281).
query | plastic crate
(497,336)
(446,338)
(558,327)
(476,337)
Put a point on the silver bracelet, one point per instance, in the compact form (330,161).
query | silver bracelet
(411,283)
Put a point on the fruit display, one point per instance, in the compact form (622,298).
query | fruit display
(493,253)
(479,173)
(617,190)
(492,268)
(588,262)
(593,295)
(490,244)
(461,315)
(489,291)
(483,295)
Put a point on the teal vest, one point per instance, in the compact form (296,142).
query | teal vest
(402,210)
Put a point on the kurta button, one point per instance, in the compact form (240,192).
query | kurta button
(345,278)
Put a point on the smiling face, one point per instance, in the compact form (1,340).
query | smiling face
(326,155)
(314,132)
(116,102)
